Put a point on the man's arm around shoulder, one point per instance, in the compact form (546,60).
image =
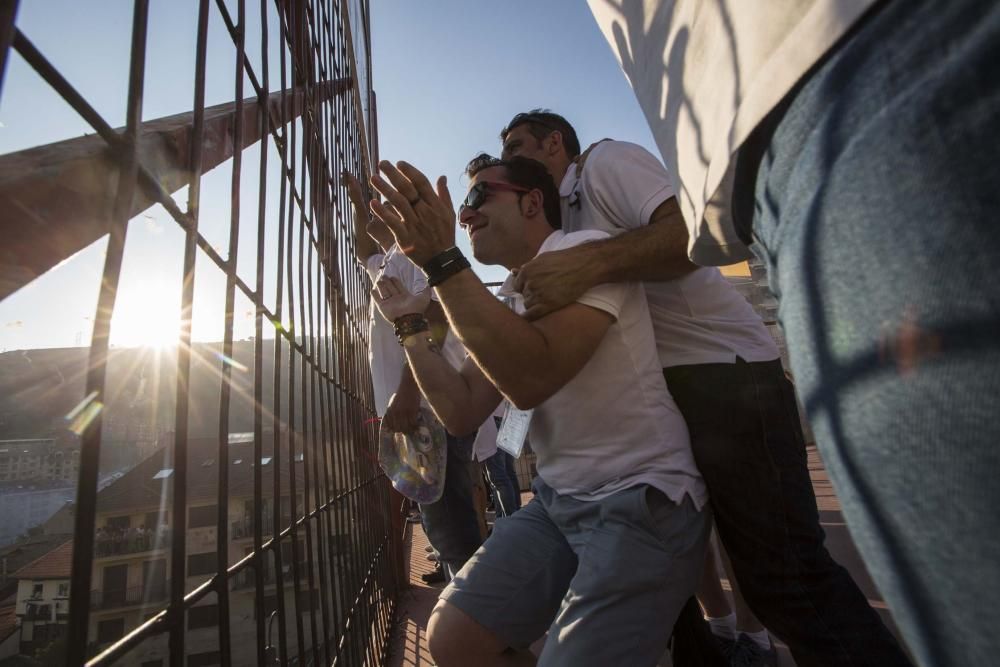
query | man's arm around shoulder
(527,361)
(652,253)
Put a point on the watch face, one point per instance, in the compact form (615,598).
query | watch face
(415,462)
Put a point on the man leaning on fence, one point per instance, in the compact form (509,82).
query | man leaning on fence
(612,543)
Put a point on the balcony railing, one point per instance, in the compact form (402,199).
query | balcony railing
(127,597)
(243,528)
(124,544)
(38,612)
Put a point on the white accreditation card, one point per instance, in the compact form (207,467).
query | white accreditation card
(514,430)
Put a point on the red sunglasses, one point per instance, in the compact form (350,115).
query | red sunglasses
(477,194)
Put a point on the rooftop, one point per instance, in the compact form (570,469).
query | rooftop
(56,564)
(144,485)
(8,621)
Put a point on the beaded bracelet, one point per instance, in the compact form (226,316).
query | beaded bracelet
(410,324)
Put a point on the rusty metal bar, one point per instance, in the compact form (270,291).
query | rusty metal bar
(90,449)
(222,502)
(195,167)
(8,14)
(57,197)
(323,438)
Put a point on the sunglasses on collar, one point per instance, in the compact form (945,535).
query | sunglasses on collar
(477,194)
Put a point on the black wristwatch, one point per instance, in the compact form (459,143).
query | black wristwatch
(444,265)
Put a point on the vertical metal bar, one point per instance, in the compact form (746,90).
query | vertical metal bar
(179,533)
(8,15)
(289,175)
(279,430)
(222,502)
(258,375)
(90,457)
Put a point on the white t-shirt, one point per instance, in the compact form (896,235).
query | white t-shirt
(698,318)
(706,74)
(385,355)
(485,445)
(614,425)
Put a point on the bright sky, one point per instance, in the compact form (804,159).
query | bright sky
(448,75)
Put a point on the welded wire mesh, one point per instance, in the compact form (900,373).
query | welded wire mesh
(268,539)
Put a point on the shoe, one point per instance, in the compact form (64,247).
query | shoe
(746,653)
(435,577)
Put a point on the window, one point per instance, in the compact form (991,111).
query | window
(201,517)
(205,616)
(119,522)
(203,659)
(199,564)
(36,591)
(63,590)
(110,630)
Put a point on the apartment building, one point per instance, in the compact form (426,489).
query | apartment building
(38,459)
(42,607)
(132,559)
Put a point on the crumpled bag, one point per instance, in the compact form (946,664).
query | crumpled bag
(415,462)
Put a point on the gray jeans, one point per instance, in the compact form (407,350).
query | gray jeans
(605,578)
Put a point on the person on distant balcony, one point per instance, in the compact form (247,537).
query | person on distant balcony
(612,543)
(724,370)
(451,523)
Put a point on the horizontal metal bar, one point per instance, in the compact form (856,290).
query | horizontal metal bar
(57,199)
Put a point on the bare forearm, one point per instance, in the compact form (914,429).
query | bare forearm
(651,253)
(511,351)
(407,383)
(445,388)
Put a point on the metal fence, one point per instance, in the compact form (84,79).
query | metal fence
(317,582)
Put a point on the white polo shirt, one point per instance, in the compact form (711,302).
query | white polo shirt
(706,74)
(613,425)
(698,318)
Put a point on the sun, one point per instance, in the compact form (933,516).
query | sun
(147,314)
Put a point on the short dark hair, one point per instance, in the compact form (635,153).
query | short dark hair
(526,173)
(541,122)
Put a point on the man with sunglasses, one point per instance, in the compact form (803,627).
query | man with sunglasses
(723,370)
(611,545)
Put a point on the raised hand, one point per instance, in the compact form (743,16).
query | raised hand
(422,220)
(393,300)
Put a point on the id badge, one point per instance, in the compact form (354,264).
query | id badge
(514,430)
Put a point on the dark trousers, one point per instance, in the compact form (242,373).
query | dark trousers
(451,523)
(748,444)
(502,477)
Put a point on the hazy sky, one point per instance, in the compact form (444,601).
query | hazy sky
(448,75)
